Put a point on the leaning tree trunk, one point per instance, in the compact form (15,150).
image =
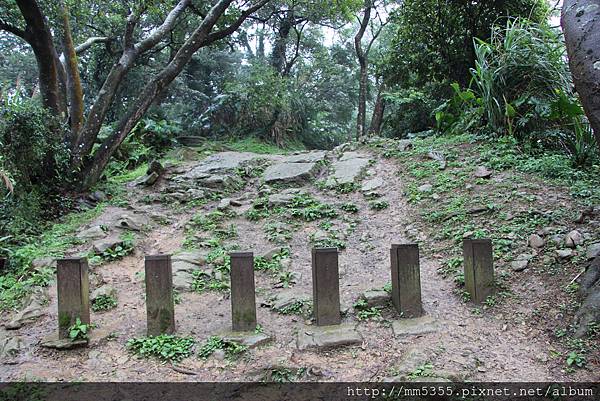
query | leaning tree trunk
(378,110)
(581,25)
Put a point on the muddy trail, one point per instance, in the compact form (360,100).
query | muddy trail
(455,345)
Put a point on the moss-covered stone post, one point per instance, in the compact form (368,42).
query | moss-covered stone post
(406,280)
(479,268)
(326,286)
(243,299)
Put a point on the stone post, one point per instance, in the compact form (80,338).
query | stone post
(243,299)
(479,268)
(326,286)
(160,306)
(406,280)
(73,293)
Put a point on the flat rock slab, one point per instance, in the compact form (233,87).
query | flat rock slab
(10,345)
(249,339)
(415,327)
(309,157)
(347,171)
(65,343)
(328,337)
(376,298)
(219,163)
(197,258)
(372,185)
(289,172)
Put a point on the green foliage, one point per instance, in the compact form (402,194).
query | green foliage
(232,349)
(273,264)
(297,307)
(31,138)
(79,330)
(364,312)
(379,205)
(441,49)
(349,207)
(104,303)
(306,208)
(167,348)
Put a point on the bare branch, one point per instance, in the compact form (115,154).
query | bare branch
(90,42)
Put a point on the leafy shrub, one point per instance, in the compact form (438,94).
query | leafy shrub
(79,331)
(167,348)
(232,349)
(103,303)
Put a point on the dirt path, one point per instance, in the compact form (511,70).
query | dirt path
(487,347)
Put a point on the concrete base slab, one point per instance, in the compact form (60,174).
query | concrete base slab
(65,343)
(328,337)
(249,339)
(414,327)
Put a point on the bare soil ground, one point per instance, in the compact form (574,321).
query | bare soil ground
(508,342)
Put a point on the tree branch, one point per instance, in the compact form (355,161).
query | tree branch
(166,27)
(223,33)
(5,26)
(90,42)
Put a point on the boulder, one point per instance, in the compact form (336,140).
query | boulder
(376,298)
(197,258)
(564,253)
(183,275)
(573,239)
(147,180)
(307,157)
(289,172)
(223,162)
(482,172)
(92,233)
(535,241)
(10,345)
(103,291)
(425,188)
(224,204)
(35,307)
(280,199)
(372,185)
(350,167)
(102,245)
(593,250)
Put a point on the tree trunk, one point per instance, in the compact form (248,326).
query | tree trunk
(581,25)
(94,167)
(73,81)
(378,110)
(38,35)
(278,56)
(361,55)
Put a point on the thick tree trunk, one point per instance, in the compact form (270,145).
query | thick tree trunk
(93,169)
(581,25)
(378,110)
(278,56)
(73,80)
(37,34)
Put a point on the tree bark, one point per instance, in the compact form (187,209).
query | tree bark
(363,74)
(580,21)
(37,34)
(378,110)
(278,56)
(73,80)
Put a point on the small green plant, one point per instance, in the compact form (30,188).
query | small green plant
(79,330)
(306,208)
(232,349)
(346,188)
(284,375)
(349,207)
(364,312)
(421,371)
(379,205)
(298,307)
(104,302)
(576,359)
(167,348)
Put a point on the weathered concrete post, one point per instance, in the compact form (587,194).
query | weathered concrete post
(73,293)
(326,286)
(160,306)
(479,268)
(406,280)
(243,299)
